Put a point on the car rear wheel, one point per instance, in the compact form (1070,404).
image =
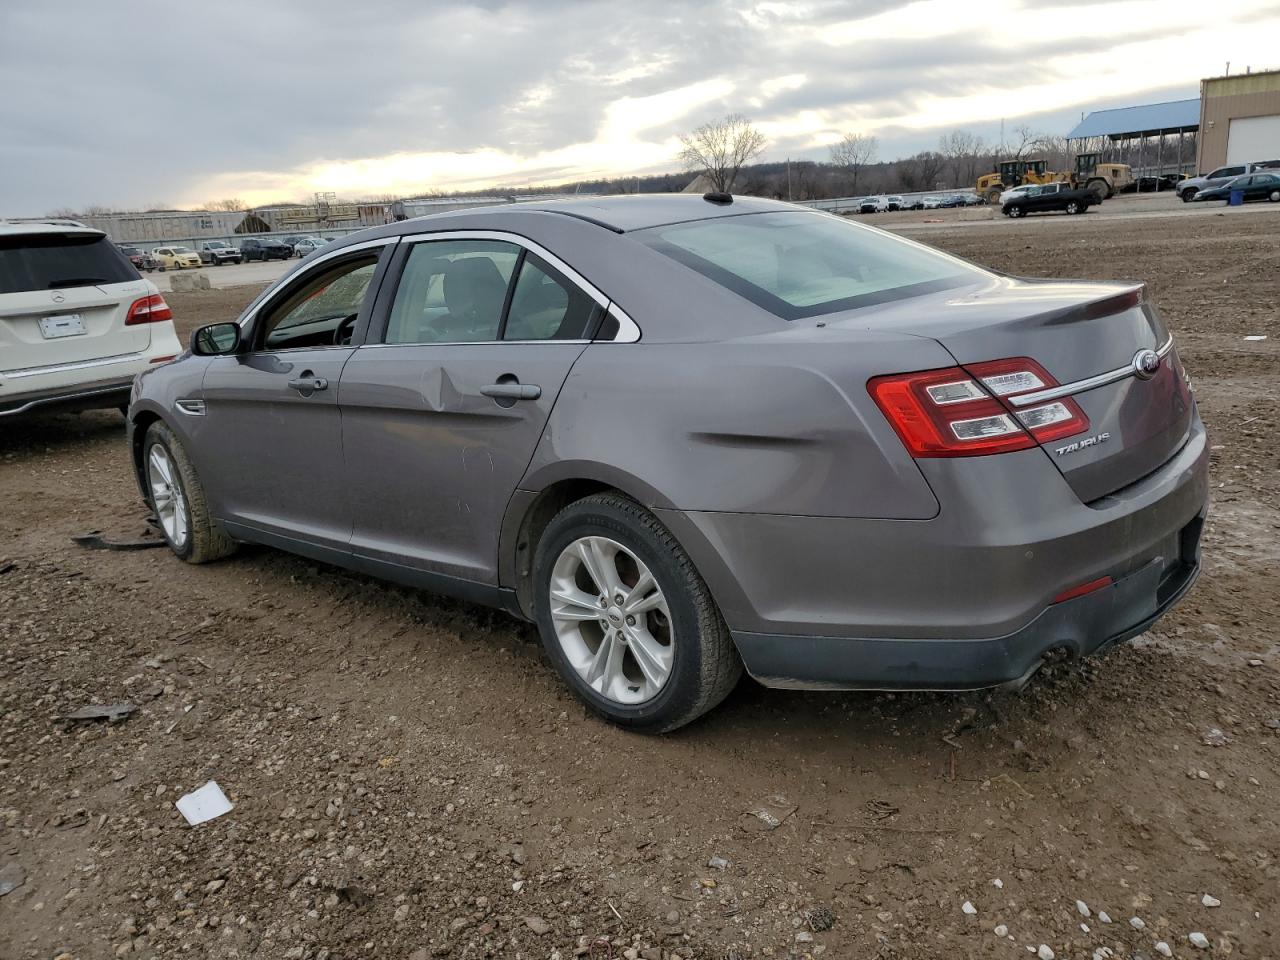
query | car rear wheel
(177,497)
(627,620)
(1072,207)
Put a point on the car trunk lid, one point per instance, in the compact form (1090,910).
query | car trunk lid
(1088,337)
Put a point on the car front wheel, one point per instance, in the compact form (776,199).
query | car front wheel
(1188,195)
(1274,196)
(627,620)
(177,497)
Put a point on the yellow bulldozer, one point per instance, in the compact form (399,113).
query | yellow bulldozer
(1104,179)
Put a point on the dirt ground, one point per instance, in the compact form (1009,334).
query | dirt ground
(411,780)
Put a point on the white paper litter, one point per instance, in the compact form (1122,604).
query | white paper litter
(204,804)
(1256,336)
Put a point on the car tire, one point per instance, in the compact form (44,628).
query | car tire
(1072,208)
(1016,212)
(1274,196)
(185,521)
(682,630)
(1189,194)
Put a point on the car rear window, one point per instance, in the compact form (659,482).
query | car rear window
(805,264)
(48,261)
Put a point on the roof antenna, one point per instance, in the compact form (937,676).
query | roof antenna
(718,196)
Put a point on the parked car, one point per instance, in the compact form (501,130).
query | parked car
(992,476)
(77,322)
(931,203)
(308,245)
(264,248)
(176,258)
(289,241)
(1045,197)
(141,259)
(218,252)
(1188,188)
(894,203)
(1254,186)
(871,205)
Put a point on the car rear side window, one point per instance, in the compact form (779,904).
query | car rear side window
(47,261)
(546,306)
(806,264)
(452,291)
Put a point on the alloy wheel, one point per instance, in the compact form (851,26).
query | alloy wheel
(612,620)
(166,493)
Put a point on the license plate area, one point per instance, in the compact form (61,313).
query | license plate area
(62,325)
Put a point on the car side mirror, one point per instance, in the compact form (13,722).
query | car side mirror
(216,340)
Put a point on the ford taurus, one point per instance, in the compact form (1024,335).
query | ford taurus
(690,434)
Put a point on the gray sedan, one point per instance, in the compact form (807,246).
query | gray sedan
(689,434)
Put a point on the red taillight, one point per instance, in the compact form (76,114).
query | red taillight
(968,412)
(1009,379)
(150,309)
(1081,590)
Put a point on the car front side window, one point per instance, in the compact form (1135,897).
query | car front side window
(320,310)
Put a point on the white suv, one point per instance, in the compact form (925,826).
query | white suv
(77,322)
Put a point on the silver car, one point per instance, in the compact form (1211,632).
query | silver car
(689,434)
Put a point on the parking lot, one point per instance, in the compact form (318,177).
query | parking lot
(410,778)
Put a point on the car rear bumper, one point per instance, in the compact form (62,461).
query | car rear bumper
(961,600)
(84,396)
(84,384)
(1079,627)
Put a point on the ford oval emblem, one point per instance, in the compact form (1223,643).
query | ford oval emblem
(1146,364)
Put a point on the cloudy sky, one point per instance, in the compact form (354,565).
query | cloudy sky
(127,104)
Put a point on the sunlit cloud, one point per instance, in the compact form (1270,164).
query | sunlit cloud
(400,97)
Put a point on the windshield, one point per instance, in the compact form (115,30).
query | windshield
(50,260)
(213,245)
(180,249)
(805,264)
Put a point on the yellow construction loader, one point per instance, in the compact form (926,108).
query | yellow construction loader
(1103,179)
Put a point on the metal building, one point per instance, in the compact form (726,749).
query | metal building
(1155,139)
(1239,119)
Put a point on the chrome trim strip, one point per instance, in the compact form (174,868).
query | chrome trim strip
(192,408)
(68,367)
(1089,383)
(628,331)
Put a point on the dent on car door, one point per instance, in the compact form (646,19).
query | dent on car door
(442,414)
(271,444)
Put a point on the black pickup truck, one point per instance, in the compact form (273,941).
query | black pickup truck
(1040,197)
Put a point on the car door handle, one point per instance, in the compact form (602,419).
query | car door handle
(309,384)
(512,391)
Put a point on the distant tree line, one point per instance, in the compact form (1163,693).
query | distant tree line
(722,151)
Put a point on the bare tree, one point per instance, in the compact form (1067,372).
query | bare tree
(852,153)
(1021,142)
(227,205)
(966,153)
(1055,150)
(719,149)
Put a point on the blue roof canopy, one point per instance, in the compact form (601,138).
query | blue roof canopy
(1172,116)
